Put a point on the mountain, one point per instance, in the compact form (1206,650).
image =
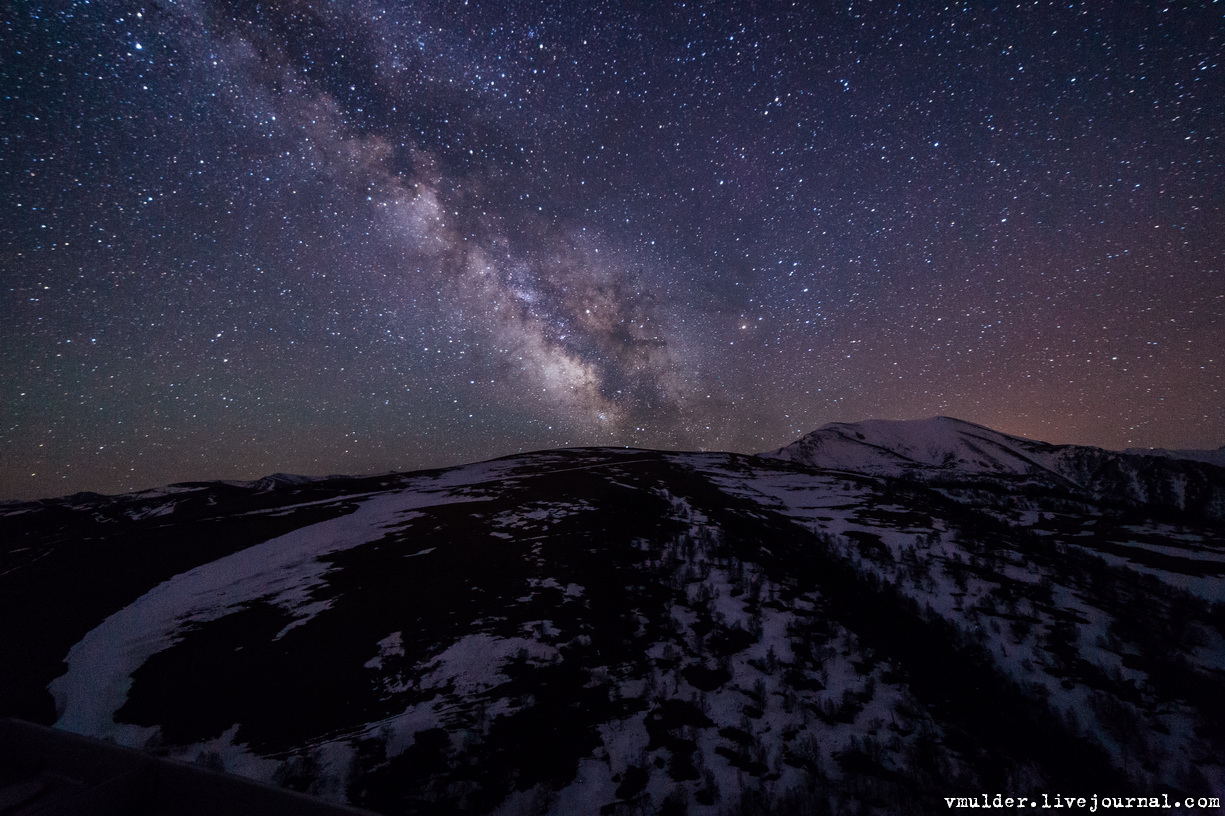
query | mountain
(941,610)
(1213,456)
(894,448)
(948,451)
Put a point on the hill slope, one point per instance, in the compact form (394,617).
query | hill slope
(623,631)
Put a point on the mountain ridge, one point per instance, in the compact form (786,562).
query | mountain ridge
(630,631)
(799,450)
(943,448)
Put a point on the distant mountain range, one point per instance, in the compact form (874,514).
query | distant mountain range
(868,620)
(943,449)
(1212,456)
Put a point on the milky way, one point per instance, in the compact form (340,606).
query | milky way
(289,236)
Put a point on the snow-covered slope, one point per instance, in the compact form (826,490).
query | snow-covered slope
(623,631)
(893,447)
(947,450)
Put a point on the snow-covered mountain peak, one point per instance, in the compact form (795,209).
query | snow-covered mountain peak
(892,447)
(952,451)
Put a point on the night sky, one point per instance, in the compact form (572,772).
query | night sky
(353,237)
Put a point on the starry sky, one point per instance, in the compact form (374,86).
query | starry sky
(244,237)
